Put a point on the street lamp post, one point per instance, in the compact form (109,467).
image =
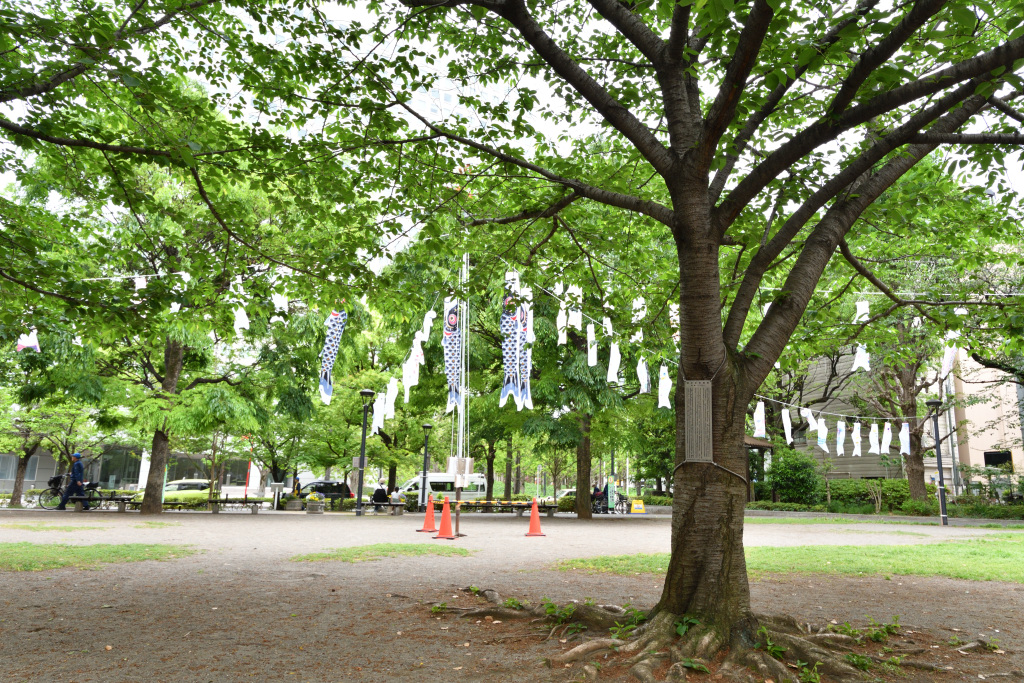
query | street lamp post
(426,464)
(934,405)
(366,395)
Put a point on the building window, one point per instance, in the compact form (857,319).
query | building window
(8,465)
(998,458)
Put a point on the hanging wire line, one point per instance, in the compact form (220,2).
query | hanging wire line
(150,275)
(825,412)
(981,296)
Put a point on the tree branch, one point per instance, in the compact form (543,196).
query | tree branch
(772,101)
(880,53)
(632,28)
(735,80)
(657,211)
(529,214)
(825,130)
(969,138)
(211,380)
(1002,106)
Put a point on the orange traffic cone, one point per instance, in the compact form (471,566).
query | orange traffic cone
(534,521)
(446,522)
(428,520)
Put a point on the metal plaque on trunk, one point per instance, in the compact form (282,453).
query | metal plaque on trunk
(698,420)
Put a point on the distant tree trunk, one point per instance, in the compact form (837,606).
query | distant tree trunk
(327,473)
(392,477)
(658,490)
(519,472)
(583,470)
(491,454)
(508,471)
(160,453)
(19,476)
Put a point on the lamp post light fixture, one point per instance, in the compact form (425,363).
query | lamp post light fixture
(426,464)
(366,395)
(934,405)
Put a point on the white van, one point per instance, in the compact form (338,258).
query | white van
(442,484)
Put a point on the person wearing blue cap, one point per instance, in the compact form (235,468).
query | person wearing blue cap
(75,487)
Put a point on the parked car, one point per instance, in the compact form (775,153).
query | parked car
(559,495)
(330,489)
(188,485)
(442,484)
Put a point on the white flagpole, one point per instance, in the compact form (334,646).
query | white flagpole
(461,439)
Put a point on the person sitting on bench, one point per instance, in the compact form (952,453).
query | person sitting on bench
(380,495)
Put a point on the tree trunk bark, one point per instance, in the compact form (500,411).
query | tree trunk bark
(392,477)
(915,468)
(508,471)
(19,475)
(152,503)
(491,454)
(519,472)
(583,501)
(707,575)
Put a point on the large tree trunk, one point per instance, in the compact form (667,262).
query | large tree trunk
(914,464)
(519,472)
(707,575)
(491,454)
(508,471)
(152,503)
(583,502)
(19,476)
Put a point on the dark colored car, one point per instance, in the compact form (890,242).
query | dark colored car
(330,489)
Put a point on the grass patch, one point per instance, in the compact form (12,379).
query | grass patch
(36,557)
(155,525)
(44,526)
(368,553)
(840,520)
(999,557)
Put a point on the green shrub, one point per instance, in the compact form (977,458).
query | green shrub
(522,497)
(567,504)
(919,508)
(852,508)
(784,507)
(795,477)
(651,499)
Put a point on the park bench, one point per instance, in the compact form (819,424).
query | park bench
(518,507)
(393,508)
(122,501)
(217,503)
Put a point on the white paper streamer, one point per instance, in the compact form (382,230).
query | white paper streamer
(886,438)
(840,438)
(591,346)
(140,283)
(861,359)
(823,435)
(29,340)
(644,376)
(389,399)
(575,295)
(378,413)
(664,387)
(759,427)
(905,439)
(411,369)
(873,439)
(614,360)
(639,313)
(855,437)
(863,312)
(428,321)
(787,425)
(812,424)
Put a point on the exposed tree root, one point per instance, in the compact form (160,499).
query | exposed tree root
(784,649)
(584,650)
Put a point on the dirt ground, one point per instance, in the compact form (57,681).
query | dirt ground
(240,610)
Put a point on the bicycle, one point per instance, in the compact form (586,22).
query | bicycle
(51,496)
